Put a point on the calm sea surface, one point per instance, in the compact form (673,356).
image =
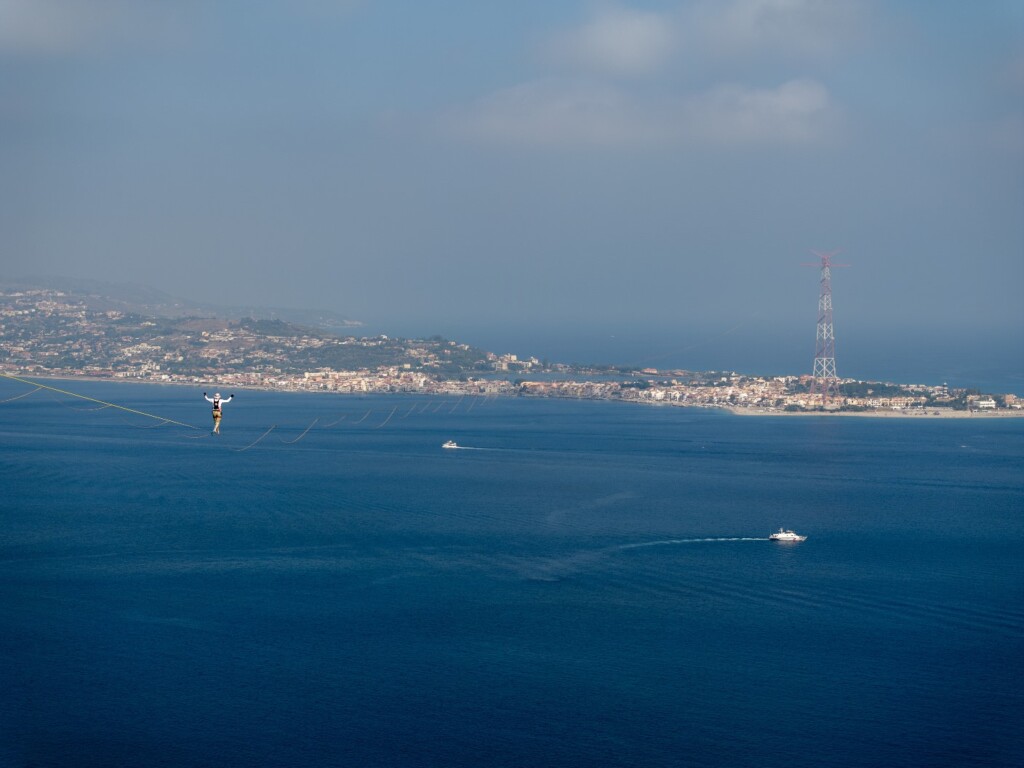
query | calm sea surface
(585,584)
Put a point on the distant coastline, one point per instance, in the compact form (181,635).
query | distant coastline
(736,410)
(881,413)
(57,334)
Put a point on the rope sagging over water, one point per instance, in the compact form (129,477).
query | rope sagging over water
(258,439)
(388,418)
(23,394)
(290,442)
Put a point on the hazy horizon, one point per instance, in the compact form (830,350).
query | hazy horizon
(650,173)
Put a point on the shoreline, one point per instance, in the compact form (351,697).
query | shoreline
(922,413)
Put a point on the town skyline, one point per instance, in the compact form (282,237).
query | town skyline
(55,333)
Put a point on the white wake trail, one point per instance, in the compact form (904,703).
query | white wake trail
(668,542)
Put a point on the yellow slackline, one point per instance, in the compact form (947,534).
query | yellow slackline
(101,402)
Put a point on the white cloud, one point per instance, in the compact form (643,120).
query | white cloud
(553,112)
(600,108)
(42,25)
(619,41)
(796,112)
(67,26)
(787,27)
(569,112)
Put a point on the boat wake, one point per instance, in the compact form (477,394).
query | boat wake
(572,563)
(669,542)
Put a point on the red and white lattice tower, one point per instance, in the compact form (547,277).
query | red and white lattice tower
(825,383)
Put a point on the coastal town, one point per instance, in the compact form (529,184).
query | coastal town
(54,333)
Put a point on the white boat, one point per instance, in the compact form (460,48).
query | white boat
(449,444)
(784,535)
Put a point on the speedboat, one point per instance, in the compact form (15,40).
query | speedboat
(449,444)
(784,535)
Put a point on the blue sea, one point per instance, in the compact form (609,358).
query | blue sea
(581,584)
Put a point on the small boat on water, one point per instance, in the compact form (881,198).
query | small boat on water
(449,444)
(784,535)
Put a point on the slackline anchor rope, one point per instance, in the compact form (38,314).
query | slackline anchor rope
(104,403)
(290,442)
(250,445)
(23,394)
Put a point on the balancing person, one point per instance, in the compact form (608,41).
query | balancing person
(217,403)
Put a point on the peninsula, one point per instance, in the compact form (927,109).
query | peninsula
(58,333)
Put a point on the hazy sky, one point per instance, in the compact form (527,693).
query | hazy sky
(458,165)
